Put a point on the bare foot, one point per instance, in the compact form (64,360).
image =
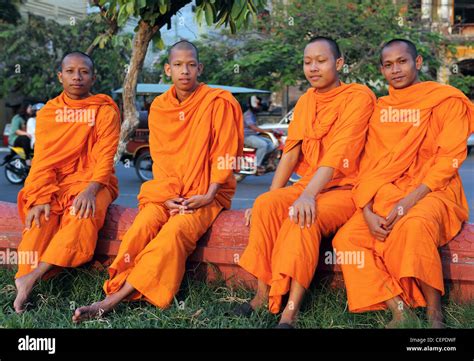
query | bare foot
(258,301)
(435,319)
(402,319)
(289,320)
(96,310)
(24,285)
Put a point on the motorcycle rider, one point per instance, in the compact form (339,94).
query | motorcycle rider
(252,138)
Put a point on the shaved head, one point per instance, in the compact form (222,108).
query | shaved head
(411,48)
(86,57)
(183,45)
(331,42)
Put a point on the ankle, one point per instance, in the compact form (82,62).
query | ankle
(289,316)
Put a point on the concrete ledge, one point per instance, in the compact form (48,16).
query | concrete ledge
(218,251)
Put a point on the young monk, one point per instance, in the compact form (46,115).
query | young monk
(410,197)
(193,128)
(71,182)
(325,139)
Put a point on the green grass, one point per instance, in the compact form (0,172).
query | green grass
(197,305)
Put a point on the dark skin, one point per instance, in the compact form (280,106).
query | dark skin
(77,77)
(184,69)
(321,68)
(400,70)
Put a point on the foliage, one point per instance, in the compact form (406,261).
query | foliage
(34,48)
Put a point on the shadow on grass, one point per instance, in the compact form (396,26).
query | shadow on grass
(197,305)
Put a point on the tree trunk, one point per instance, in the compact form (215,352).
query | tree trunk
(141,40)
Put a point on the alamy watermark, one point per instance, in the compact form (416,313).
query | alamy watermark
(393,115)
(69,115)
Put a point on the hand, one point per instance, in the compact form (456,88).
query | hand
(400,209)
(197,201)
(83,205)
(248,216)
(376,225)
(175,206)
(34,213)
(303,210)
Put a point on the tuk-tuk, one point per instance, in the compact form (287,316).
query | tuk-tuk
(137,151)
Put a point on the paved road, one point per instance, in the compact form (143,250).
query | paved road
(246,193)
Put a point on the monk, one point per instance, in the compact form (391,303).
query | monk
(325,139)
(409,196)
(193,130)
(71,182)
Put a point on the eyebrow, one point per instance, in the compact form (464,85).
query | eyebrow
(316,56)
(80,67)
(399,58)
(184,61)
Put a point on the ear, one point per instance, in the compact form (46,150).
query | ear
(200,68)
(60,77)
(167,69)
(339,63)
(418,62)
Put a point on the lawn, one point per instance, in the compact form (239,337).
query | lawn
(198,305)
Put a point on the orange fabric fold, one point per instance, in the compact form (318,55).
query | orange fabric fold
(394,144)
(326,125)
(193,144)
(76,143)
(331,127)
(184,163)
(416,135)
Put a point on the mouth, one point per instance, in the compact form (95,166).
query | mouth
(398,78)
(77,86)
(185,80)
(315,77)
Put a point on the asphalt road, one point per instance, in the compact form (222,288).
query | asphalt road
(247,190)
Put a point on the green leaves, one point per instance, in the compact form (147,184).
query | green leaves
(32,50)
(158,41)
(234,14)
(209,13)
(270,56)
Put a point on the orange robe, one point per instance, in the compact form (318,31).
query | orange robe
(76,141)
(417,135)
(332,128)
(188,142)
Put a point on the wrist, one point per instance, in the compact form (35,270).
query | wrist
(92,188)
(309,193)
(366,210)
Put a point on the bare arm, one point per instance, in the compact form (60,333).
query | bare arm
(285,167)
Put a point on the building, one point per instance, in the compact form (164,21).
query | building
(455,20)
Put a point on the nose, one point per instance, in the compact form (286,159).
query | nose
(313,67)
(396,68)
(77,75)
(185,69)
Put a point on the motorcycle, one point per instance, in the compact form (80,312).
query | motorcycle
(16,168)
(249,164)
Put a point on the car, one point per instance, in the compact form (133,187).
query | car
(470,143)
(281,126)
(137,152)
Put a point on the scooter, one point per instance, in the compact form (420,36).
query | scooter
(16,168)
(270,163)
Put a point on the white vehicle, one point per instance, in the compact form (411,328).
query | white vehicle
(282,128)
(282,125)
(470,143)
